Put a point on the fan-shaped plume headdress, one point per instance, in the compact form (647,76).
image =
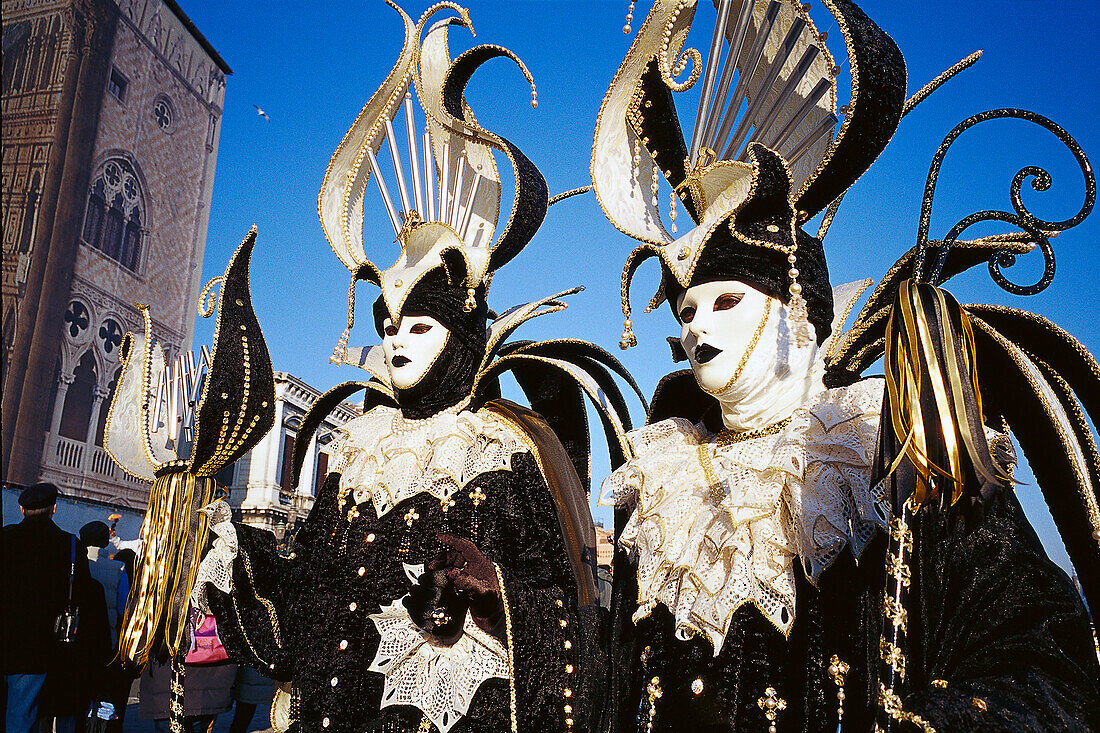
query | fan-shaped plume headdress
(767,151)
(446,211)
(176,428)
(447,219)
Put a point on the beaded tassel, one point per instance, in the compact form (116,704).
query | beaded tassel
(629,18)
(837,670)
(800,318)
(628,338)
(653,691)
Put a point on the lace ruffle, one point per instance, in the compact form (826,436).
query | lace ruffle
(703,550)
(388,458)
(438,680)
(217,566)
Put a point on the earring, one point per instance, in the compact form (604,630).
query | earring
(471,300)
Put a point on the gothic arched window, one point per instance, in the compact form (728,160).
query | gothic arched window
(77,411)
(112,223)
(93,217)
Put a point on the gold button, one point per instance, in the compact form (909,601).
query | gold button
(352,606)
(325,723)
(333,681)
(370,537)
(362,572)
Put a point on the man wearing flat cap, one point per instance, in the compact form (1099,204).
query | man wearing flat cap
(36,558)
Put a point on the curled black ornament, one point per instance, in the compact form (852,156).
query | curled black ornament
(1022,217)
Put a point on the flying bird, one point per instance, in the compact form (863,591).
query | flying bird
(261,113)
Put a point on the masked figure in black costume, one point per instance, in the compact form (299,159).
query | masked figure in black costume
(444,577)
(801,548)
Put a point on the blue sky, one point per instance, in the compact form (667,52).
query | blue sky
(311,66)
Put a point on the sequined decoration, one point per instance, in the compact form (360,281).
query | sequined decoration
(445,505)
(476,497)
(837,671)
(772,705)
(567,690)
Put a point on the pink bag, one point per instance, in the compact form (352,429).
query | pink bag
(206,647)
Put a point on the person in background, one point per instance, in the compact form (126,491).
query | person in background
(123,676)
(79,676)
(206,694)
(105,570)
(36,560)
(250,689)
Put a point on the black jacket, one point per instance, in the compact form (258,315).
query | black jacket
(35,558)
(306,618)
(997,641)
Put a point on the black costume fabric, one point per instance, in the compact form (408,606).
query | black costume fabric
(993,617)
(289,616)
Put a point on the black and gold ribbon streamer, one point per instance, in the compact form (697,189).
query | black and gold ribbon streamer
(173,537)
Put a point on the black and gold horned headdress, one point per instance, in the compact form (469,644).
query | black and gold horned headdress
(446,212)
(768,150)
(176,428)
(445,221)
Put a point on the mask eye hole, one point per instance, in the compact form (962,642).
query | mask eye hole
(727,300)
(420,328)
(687,314)
(390,330)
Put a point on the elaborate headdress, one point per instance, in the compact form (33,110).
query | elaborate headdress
(446,214)
(764,157)
(176,426)
(445,222)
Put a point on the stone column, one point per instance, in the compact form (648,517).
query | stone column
(63,383)
(98,396)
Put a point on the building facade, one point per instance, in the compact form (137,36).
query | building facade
(111,118)
(260,483)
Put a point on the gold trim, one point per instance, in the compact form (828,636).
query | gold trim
(892,704)
(511,646)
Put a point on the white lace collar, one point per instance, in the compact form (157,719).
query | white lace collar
(388,458)
(438,680)
(716,526)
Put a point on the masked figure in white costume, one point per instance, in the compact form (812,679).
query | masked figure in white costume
(802,548)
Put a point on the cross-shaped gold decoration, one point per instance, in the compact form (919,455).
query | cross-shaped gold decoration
(446,503)
(477,496)
(772,704)
(411,516)
(353,513)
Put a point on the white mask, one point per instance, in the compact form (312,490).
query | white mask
(740,346)
(411,347)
